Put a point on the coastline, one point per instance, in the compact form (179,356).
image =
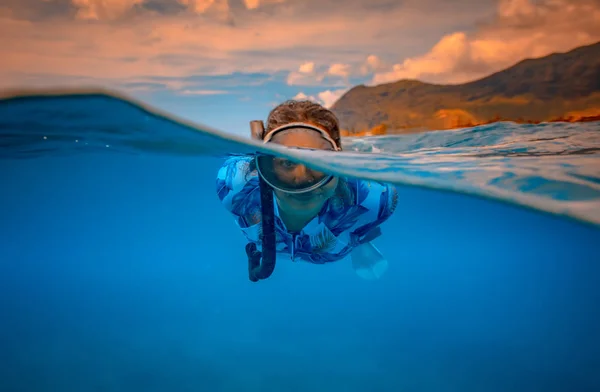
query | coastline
(383,129)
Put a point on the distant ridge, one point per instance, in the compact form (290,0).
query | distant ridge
(560,86)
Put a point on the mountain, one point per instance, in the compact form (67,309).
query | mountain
(558,86)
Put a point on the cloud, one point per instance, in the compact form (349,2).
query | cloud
(341,70)
(118,10)
(220,9)
(516,8)
(326,98)
(521,29)
(441,60)
(309,75)
(202,92)
(109,10)
(305,75)
(301,96)
(372,64)
(201,6)
(103,9)
(136,40)
(307,68)
(234,83)
(254,4)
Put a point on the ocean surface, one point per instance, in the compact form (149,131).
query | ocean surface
(121,271)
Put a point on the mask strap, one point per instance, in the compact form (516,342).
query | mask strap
(324,134)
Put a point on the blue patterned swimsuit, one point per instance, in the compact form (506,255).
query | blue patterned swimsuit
(343,223)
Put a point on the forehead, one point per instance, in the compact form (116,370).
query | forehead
(301,137)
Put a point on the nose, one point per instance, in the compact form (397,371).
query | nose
(302,174)
(300,170)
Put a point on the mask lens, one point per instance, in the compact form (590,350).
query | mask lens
(289,176)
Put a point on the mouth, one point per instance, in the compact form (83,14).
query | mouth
(305,196)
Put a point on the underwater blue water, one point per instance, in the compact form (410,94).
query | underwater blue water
(120,271)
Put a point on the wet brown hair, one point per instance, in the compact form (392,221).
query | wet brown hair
(304,111)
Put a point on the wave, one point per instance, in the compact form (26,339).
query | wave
(549,167)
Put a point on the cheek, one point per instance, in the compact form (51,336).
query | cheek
(279,194)
(331,187)
(287,198)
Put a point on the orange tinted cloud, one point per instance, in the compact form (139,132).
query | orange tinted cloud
(254,4)
(521,29)
(326,98)
(103,9)
(184,44)
(312,41)
(115,9)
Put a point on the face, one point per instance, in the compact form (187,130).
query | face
(294,173)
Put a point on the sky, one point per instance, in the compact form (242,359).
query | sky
(224,63)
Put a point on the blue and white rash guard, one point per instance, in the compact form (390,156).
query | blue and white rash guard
(344,222)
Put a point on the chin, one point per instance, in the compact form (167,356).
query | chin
(301,200)
(305,198)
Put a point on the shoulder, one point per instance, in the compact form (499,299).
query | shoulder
(234,165)
(237,186)
(235,172)
(373,203)
(376,197)
(359,206)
